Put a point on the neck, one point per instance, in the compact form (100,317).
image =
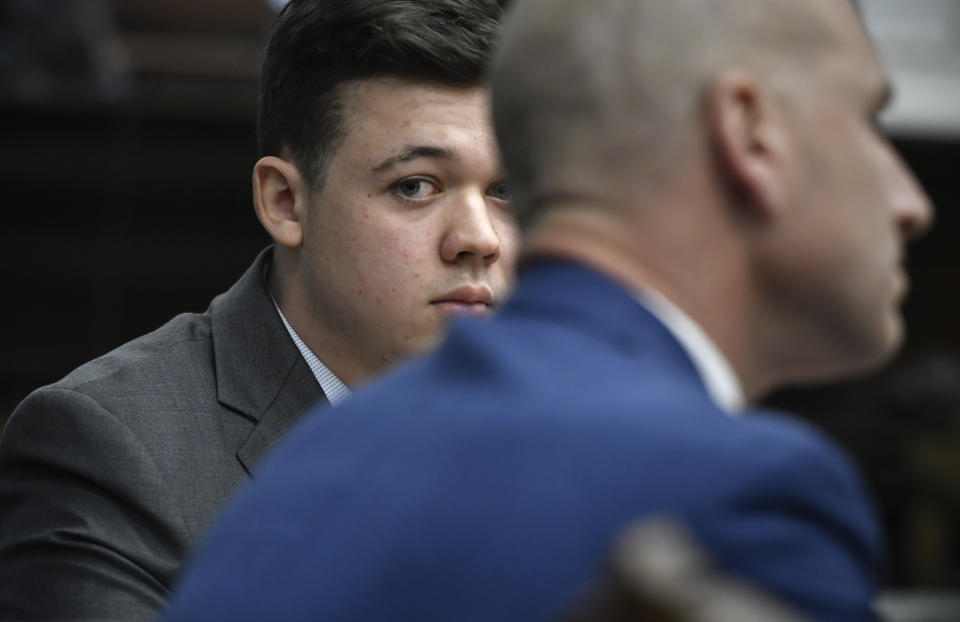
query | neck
(336,354)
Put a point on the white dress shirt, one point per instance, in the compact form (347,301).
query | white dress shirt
(715,371)
(332,386)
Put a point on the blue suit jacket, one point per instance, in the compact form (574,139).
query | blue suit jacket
(486,481)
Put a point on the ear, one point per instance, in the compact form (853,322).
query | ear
(749,141)
(280,198)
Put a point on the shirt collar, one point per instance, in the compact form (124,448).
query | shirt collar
(332,387)
(715,371)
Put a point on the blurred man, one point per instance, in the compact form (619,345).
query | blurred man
(382,189)
(710,212)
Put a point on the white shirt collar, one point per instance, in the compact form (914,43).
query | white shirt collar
(332,386)
(715,371)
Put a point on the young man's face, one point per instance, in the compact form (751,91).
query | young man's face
(411,228)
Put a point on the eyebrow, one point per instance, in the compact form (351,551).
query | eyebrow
(412,152)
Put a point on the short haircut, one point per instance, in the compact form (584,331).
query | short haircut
(586,94)
(318,46)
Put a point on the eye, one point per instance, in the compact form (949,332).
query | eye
(415,188)
(500,190)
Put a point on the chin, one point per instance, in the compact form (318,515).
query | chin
(858,354)
(877,351)
(426,342)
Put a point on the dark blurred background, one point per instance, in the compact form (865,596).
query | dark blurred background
(126,148)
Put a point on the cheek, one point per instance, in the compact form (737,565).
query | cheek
(509,236)
(511,246)
(869,224)
(858,169)
(402,248)
(394,259)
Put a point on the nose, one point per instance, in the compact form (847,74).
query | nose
(470,235)
(913,209)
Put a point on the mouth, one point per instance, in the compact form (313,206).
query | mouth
(466,300)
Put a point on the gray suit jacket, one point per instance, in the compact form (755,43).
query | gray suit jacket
(110,477)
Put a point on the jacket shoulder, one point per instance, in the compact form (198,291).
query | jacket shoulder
(149,358)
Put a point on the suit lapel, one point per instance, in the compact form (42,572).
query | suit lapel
(260,372)
(297,395)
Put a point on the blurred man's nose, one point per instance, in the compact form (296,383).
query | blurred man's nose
(912,206)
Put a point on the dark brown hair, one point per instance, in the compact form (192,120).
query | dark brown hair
(318,45)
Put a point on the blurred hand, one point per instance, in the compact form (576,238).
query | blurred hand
(659,574)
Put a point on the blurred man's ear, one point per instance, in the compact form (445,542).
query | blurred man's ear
(280,198)
(749,142)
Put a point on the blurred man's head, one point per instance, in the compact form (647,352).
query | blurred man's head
(729,148)
(380,179)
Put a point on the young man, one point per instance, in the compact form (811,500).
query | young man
(381,186)
(710,212)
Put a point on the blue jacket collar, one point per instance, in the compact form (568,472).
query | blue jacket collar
(569,291)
